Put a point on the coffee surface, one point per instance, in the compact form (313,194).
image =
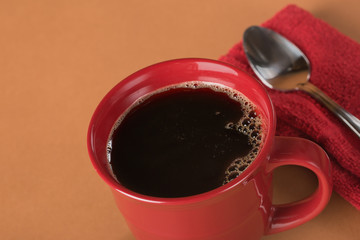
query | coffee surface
(184,141)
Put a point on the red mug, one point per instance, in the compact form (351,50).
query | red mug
(240,209)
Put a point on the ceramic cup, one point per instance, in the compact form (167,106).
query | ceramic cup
(240,209)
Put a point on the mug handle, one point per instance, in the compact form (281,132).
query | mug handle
(304,153)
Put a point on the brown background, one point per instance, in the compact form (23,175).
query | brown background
(59,58)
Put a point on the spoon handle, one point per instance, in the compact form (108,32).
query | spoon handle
(350,120)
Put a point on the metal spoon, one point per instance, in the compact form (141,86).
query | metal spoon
(280,65)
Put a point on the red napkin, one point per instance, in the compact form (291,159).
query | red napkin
(335,63)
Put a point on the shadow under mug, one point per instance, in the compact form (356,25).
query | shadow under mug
(240,209)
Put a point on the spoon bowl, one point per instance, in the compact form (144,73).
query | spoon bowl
(277,62)
(282,66)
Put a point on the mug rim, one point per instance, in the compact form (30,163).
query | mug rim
(248,172)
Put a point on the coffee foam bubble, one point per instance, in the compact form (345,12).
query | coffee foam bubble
(249,124)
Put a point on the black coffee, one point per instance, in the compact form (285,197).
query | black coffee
(184,140)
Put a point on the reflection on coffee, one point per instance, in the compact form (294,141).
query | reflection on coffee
(184,140)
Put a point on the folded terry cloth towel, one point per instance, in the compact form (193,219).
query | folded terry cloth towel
(335,69)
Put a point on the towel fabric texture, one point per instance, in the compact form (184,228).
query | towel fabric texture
(335,69)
